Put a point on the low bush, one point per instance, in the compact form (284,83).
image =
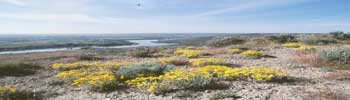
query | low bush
(225,41)
(340,35)
(206,61)
(8,92)
(340,55)
(17,69)
(196,82)
(177,60)
(314,40)
(89,57)
(282,38)
(142,52)
(145,69)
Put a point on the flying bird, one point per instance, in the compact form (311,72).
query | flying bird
(139,4)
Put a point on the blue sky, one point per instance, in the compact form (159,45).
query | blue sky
(173,16)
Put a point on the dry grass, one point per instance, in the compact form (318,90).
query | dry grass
(214,51)
(257,43)
(338,75)
(308,58)
(327,93)
(40,56)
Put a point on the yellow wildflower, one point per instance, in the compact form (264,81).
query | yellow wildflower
(189,53)
(292,45)
(206,61)
(254,53)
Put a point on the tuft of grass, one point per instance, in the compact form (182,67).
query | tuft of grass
(311,57)
(17,69)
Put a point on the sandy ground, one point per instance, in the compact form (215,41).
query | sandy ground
(307,83)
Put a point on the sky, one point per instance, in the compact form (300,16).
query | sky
(173,16)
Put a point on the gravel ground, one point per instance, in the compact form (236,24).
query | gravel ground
(307,83)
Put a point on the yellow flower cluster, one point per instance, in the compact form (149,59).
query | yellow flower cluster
(252,72)
(7,89)
(189,53)
(81,77)
(306,48)
(206,61)
(301,47)
(152,82)
(292,45)
(234,50)
(247,73)
(88,73)
(97,64)
(174,60)
(253,53)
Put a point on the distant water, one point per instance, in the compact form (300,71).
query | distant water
(140,43)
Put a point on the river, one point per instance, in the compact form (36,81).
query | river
(140,43)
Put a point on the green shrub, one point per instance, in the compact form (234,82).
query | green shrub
(241,47)
(340,35)
(225,41)
(314,40)
(282,38)
(11,93)
(146,69)
(89,57)
(17,69)
(337,54)
(224,95)
(142,52)
(197,82)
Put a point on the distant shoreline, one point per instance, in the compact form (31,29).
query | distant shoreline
(133,43)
